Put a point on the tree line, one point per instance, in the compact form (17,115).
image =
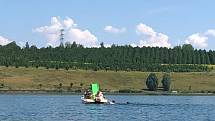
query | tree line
(127,58)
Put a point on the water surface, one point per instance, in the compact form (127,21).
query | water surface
(144,108)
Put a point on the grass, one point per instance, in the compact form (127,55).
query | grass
(49,79)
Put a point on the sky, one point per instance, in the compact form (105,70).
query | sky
(162,23)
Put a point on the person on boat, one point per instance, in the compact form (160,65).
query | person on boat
(87,94)
(99,96)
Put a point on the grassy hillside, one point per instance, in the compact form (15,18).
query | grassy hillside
(30,79)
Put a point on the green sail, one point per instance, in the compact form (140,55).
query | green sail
(95,88)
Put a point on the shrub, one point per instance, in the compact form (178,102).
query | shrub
(152,82)
(166,81)
(67,68)
(81,84)
(6,65)
(2,85)
(71,84)
(40,85)
(47,67)
(60,85)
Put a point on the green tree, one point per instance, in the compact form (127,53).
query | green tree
(68,45)
(2,85)
(40,85)
(198,58)
(152,82)
(67,68)
(166,56)
(71,85)
(57,67)
(27,45)
(166,81)
(81,84)
(207,59)
(211,57)
(17,66)
(75,56)
(60,85)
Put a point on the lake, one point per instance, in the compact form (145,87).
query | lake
(140,108)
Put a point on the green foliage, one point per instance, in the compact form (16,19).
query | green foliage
(57,67)
(27,45)
(71,84)
(1,85)
(152,82)
(116,58)
(166,81)
(81,84)
(26,66)
(67,68)
(60,85)
(40,85)
(6,65)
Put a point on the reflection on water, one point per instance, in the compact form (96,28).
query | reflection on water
(144,108)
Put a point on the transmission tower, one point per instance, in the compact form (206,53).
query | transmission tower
(61,36)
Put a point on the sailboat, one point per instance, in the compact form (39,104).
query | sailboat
(94,96)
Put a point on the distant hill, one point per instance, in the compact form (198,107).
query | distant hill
(74,80)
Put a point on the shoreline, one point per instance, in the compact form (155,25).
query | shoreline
(57,92)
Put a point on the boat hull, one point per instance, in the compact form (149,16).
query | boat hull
(91,101)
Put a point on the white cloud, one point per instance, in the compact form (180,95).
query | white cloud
(200,40)
(210,32)
(150,37)
(144,29)
(68,22)
(82,37)
(197,40)
(4,41)
(115,30)
(72,33)
(107,45)
(133,45)
(51,32)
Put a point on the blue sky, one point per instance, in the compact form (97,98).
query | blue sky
(89,22)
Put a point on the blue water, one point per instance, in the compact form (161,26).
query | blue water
(140,108)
